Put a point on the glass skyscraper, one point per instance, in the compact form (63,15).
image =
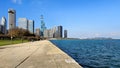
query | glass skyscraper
(1,28)
(31,26)
(43,27)
(23,23)
(3,25)
(65,33)
(59,31)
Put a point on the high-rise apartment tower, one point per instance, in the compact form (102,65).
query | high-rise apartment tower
(12,18)
(65,33)
(59,32)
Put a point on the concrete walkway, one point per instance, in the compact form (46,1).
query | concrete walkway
(40,54)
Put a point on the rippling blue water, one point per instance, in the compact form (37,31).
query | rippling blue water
(92,53)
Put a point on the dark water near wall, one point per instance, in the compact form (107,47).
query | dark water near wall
(92,53)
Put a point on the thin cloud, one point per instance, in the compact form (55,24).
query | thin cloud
(36,2)
(14,1)
(17,1)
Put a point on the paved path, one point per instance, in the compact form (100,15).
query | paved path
(40,54)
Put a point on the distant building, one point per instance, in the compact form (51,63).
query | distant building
(65,33)
(1,28)
(52,32)
(43,27)
(46,33)
(12,18)
(26,24)
(55,32)
(3,25)
(23,23)
(37,33)
(31,26)
(59,32)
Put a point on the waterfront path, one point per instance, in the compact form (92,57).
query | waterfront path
(39,54)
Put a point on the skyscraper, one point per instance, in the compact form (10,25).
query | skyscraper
(65,33)
(54,32)
(37,32)
(31,26)
(3,25)
(1,28)
(12,18)
(59,32)
(23,23)
(43,27)
(46,33)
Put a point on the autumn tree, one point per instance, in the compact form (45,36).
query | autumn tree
(1,33)
(18,32)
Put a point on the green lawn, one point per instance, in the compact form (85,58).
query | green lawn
(8,42)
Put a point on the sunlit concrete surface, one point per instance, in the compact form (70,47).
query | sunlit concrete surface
(39,54)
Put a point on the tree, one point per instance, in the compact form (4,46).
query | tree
(1,33)
(18,32)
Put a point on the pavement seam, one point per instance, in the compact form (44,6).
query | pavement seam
(26,58)
(55,61)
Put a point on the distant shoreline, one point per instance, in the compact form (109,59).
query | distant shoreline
(82,39)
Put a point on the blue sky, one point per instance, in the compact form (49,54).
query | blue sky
(82,18)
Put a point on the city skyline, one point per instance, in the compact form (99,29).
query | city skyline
(82,18)
(26,24)
(54,32)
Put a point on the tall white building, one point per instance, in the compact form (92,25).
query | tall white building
(12,18)
(3,25)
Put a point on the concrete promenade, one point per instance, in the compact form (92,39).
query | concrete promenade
(39,54)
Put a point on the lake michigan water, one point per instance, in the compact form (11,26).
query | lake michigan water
(92,53)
